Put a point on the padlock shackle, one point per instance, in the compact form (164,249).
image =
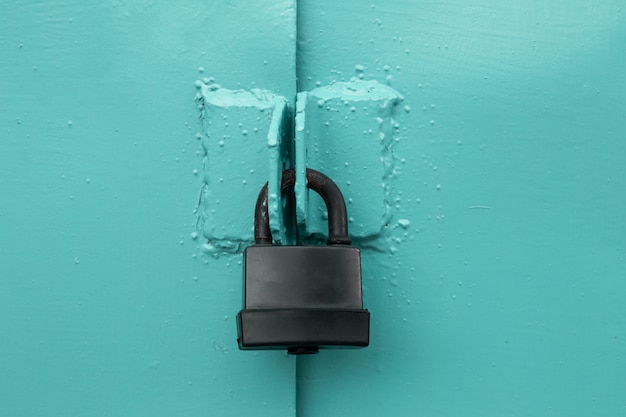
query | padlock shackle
(321,184)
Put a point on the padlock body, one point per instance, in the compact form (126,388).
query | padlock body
(302,296)
(302,277)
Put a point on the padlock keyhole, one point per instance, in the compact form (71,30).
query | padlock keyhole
(303,350)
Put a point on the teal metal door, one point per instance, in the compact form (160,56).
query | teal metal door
(480,146)
(109,304)
(498,289)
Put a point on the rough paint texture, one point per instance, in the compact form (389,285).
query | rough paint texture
(505,297)
(347,131)
(243,135)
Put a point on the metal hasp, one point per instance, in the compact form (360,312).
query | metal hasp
(303,298)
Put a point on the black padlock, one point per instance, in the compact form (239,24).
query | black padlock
(303,298)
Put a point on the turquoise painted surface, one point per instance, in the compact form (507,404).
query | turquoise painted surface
(245,142)
(497,289)
(348,131)
(107,306)
(503,295)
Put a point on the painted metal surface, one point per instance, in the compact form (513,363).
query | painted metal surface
(500,287)
(108,303)
(347,130)
(246,142)
(497,288)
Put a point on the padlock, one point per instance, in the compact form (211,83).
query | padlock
(303,298)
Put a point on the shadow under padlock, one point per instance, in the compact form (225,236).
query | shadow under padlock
(303,298)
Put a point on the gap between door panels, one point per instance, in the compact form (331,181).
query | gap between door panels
(348,132)
(346,127)
(300,390)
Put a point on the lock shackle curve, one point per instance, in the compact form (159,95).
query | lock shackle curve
(321,184)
